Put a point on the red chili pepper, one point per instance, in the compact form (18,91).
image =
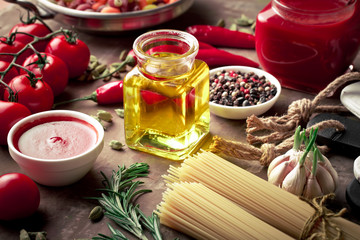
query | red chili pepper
(220,36)
(215,58)
(108,93)
(151,98)
(203,45)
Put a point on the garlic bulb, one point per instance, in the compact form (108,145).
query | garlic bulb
(303,172)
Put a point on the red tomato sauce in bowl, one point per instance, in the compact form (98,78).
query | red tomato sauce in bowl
(55,137)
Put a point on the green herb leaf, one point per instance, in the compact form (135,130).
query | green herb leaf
(297,138)
(104,115)
(117,201)
(309,147)
(116,145)
(244,21)
(119,112)
(233,27)
(220,23)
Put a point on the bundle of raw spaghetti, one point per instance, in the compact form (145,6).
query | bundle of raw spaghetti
(262,199)
(201,213)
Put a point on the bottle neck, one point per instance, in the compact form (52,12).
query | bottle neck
(165,53)
(314,12)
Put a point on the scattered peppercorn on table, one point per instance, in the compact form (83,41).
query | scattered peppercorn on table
(63,212)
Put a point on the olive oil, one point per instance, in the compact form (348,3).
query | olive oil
(166,105)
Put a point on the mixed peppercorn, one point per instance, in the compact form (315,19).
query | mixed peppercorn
(235,88)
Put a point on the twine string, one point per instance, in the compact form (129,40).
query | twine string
(282,128)
(321,215)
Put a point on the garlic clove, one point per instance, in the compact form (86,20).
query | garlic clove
(277,161)
(312,188)
(294,182)
(327,165)
(325,180)
(278,174)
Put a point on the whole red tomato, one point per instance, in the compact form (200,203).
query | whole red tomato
(10,113)
(36,95)
(13,46)
(36,29)
(74,52)
(52,69)
(8,76)
(19,196)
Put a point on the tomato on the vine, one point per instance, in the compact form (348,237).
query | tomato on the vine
(52,69)
(8,76)
(35,94)
(10,113)
(74,52)
(12,46)
(19,196)
(36,29)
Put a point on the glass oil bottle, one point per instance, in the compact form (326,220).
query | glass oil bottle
(166,96)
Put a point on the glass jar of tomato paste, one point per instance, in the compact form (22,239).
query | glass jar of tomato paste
(166,96)
(307,44)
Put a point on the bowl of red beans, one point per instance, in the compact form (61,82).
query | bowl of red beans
(111,16)
(237,92)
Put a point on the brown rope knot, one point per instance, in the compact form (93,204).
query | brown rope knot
(276,139)
(322,215)
(268,154)
(301,110)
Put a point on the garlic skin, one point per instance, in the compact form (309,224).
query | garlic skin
(295,181)
(285,172)
(303,172)
(325,180)
(277,175)
(327,165)
(290,156)
(312,188)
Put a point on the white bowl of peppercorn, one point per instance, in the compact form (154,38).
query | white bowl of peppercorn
(237,92)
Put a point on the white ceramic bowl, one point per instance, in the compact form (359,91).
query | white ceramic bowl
(242,112)
(55,172)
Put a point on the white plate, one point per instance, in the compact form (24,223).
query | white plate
(350,98)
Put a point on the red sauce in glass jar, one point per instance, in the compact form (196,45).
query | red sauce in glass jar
(307,44)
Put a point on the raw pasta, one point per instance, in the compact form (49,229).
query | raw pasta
(201,213)
(258,197)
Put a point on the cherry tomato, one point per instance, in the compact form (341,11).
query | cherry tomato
(8,76)
(10,113)
(142,4)
(14,46)
(36,98)
(52,69)
(19,196)
(75,54)
(36,29)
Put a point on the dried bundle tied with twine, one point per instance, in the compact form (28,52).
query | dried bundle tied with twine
(282,128)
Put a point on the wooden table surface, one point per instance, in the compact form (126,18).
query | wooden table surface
(63,211)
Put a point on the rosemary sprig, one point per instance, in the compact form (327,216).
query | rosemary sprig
(117,200)
(116,235)
(152,224)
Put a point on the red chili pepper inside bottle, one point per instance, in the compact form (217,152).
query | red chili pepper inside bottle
(166,96)
(307,44)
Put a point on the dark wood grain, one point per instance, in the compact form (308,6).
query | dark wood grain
(63,211)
